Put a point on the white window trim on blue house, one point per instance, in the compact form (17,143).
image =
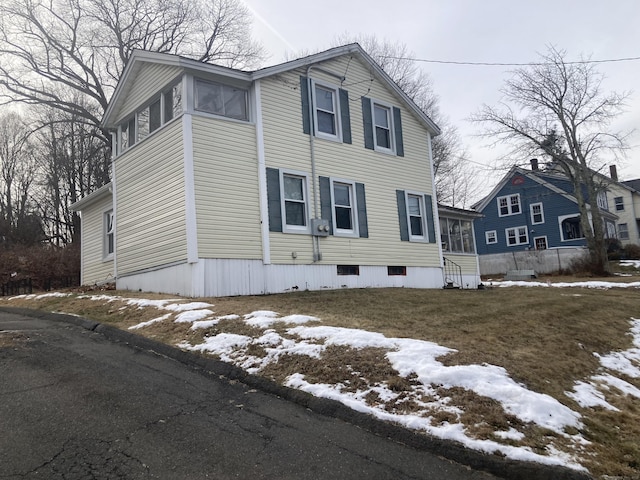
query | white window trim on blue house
(510,204)
(491,237)
(518,232)
(562,219)
(533,214)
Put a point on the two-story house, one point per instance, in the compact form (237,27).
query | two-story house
(533,210)
(316,173)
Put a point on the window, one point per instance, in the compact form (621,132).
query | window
(619,201)
(154,116)
(348,269)
(491,237)
(325,112)
(602,201)
(509,205)
(456,235)
(517,236)
(537,213)
(295,212)
(540,243)
(383,127)
(220,99)
(109,244)
(162,109)
(415,210)
(416,217)
(623,231)
(570,228)
(172,99)
(396,271)
(344,208)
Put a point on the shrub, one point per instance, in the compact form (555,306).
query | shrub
(632,252)
(47,265)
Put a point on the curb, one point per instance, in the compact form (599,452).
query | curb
(493,464)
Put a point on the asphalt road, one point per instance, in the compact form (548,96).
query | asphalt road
(74,404)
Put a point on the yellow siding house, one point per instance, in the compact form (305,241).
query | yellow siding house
(312,174)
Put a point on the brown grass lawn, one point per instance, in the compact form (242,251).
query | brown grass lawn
(545,338)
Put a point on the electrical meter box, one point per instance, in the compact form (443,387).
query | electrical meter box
(320,227)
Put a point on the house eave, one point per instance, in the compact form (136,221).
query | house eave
(93,197)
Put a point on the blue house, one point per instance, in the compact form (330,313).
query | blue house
(533,210)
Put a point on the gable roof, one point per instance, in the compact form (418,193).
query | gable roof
(532,175)
(140,57)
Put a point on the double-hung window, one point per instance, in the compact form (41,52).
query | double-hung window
(383,126)
(416,214)
(345,209)
(326,112)
(537,213)
(295,211)
(509,205)
(491,237)
(109,244)
(623,231)
(517,236)
(619,201)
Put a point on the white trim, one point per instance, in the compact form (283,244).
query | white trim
(546,242)
(517,236)
(495,236)
(341,232)
(392,131)
(509,205)
(306,229)
(262,176)
(106,256)
(562,219)
(424,238)
(337,114)
(191,221)
(533,222)
(114,203)
(434,203)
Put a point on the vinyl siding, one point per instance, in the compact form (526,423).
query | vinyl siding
(150,215)
(226,189)
(286,146)
(468,263)
(95,268)
(148,82)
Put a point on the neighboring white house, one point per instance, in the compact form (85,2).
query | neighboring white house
(624,200)
(312,174)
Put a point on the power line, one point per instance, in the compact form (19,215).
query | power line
(522,64)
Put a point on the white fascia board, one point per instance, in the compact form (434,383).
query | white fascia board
(91,198)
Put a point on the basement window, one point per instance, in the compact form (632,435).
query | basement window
(348,269)
(396,270)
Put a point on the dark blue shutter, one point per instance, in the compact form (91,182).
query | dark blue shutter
(402,215)
(397,127)
(273,200)
(363,225)
(345,118)
(430,223)
(367,121)
(304,96)
(326,212)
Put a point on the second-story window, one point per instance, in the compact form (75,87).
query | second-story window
(220,99)
(509,205)
(325,112)
(383,127)
(619,201)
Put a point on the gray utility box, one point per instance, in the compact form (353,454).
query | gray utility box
(320,227)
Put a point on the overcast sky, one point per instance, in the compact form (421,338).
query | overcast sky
(496,31)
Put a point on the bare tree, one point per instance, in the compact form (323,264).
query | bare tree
(557,108)
(51,50)
(449,155)
(18,174)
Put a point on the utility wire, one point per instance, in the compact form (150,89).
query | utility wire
(500,64)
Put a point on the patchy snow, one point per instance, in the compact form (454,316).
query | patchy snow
(593,392)
(630,263)
(150,322)
(417,359)
(594,284)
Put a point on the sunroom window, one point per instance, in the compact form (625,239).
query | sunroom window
(220,99)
